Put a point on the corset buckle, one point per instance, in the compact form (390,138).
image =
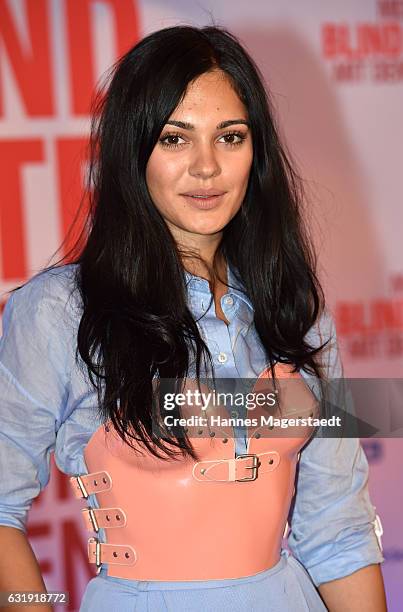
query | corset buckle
(254,467)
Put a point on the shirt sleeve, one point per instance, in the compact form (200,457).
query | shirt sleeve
(333,522)
(34,378)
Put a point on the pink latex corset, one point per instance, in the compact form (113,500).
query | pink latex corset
(217,518)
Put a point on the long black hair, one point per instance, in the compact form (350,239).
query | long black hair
(136,325)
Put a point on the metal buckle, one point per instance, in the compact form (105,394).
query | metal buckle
(93,519)
(82,487)
(254,467)
(98,555)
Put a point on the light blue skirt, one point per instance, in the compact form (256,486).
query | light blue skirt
(282,588)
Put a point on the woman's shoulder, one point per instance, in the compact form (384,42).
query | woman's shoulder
(57,284)
(39,329)
(50,297)
(324,331)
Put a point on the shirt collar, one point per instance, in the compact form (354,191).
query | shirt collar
(236,286)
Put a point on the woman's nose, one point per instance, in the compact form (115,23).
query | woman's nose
(204,162)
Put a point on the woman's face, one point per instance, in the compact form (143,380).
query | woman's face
(204,149)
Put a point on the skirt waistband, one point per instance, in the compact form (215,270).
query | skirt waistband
(142,585)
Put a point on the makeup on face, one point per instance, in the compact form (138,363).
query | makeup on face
(198,171)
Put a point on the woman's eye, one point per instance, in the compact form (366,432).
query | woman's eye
(170,140)
(234,138)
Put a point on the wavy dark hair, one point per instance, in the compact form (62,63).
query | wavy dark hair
(136,326)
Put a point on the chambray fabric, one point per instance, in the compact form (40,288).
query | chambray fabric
(48,405)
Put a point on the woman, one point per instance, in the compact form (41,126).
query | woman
(195,264)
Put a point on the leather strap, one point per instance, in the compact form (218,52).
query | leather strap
(242,468)
(97,518)
(100,552)
(86,484)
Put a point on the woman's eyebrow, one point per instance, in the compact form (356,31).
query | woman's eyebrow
(189,126)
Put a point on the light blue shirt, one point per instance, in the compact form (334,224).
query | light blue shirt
(47,404)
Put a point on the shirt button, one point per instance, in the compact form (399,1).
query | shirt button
(228,300)
(222,357)
(234,413)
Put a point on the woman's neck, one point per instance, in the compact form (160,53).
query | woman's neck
(199,268)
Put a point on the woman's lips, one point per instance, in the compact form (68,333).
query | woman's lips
(204,203)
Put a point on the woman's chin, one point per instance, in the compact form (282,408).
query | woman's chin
(205,229)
